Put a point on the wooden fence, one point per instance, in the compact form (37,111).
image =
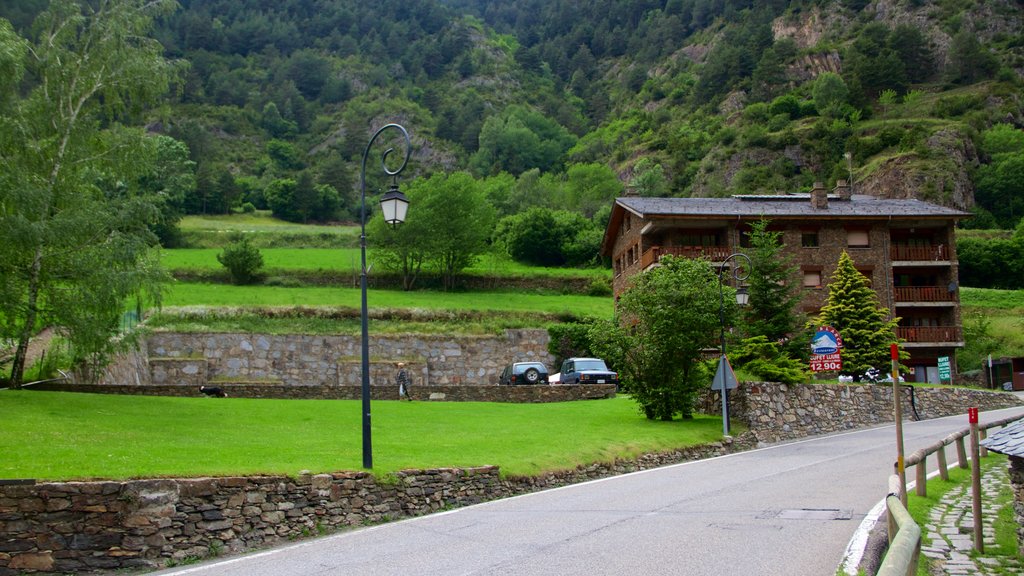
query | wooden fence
(904,534)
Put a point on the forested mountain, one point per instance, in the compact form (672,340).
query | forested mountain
(563,104)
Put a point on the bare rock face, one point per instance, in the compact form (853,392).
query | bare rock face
(942,177)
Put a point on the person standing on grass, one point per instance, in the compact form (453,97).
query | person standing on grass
(403,383)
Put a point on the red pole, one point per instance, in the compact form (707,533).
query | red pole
(897,415)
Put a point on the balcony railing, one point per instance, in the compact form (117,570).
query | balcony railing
(713,253)
(923,294)
(929,333)
(935,252)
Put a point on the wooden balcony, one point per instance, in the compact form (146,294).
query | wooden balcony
(712,253)
(944,334)
(937,252)
(923,294)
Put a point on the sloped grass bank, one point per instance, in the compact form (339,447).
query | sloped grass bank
(63,436)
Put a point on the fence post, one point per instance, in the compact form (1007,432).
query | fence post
(921,488)
(943,468)
(979,543)
(961,452)
(983,432)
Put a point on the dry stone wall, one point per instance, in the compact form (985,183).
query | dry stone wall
(189,360)
(75,527)
(775,412)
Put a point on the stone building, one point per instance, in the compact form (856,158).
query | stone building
(906,249)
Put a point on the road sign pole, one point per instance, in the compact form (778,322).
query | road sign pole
(897,414)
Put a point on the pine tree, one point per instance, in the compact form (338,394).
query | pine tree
(773,294)
(853,309)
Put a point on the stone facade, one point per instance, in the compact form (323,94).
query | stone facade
(82,526)
(774,412)
(906,249)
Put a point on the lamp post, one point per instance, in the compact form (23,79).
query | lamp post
(394,206)
(741,299)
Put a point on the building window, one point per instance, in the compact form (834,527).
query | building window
(857,239)
(809,238)
(868,274)
(812,278)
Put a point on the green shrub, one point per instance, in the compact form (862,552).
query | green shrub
(764,360)
(957,105)
(243,261)
(599,287)
(248,208)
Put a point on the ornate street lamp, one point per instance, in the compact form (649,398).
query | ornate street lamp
(394,206)
(742,297)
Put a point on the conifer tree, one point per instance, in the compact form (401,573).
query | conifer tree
(773,294)
(854,310)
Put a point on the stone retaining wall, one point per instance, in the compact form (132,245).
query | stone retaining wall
(324,360)
(82,526)
(243,389)
(775,412)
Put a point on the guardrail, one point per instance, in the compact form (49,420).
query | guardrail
(904,535)
(918,458)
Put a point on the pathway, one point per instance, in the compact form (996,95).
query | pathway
(951,526)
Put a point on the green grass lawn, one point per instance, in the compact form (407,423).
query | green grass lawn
(60,436)
(259,221)
(196,294)
(279,260)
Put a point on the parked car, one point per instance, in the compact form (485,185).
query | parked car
(523,373)
(587,371)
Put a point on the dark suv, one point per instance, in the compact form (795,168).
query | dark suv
(587,371)
(523,373)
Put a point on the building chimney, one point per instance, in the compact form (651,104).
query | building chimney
(844,189)
(819,197)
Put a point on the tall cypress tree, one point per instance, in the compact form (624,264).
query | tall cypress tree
(854,310)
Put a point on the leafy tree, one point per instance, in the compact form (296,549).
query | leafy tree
(667,318)
(448,225)
(774,296)
(520,139)
(74,234)
(591,186)
(649,179)
(830,93)
(853,309)
(170,180)
(243,261)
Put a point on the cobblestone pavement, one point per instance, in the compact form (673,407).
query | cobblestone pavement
(951,527)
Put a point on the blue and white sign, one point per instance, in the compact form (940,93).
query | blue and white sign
(826,341)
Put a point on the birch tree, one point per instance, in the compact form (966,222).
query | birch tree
(74,228)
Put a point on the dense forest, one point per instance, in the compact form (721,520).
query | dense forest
(554,107)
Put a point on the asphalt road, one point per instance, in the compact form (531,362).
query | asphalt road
(787,509)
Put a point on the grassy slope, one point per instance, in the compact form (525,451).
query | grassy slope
(278,260)
(97,436)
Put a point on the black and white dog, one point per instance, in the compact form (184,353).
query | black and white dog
(213,391)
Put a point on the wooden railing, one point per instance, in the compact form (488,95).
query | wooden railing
(929,333)
(923,294)
(936,252)
(904,533)
(713,253)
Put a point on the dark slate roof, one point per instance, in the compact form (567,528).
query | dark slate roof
(1009,440)
(789,205)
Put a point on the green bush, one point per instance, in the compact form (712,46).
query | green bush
(764,360)
(243,261)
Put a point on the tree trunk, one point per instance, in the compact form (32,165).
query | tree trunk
(21,353)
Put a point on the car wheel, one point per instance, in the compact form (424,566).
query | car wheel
(531,375)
